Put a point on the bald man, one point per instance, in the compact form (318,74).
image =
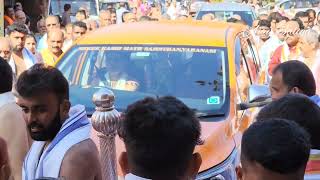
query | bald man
(55,43)
(105,18)
(20,17)
(5,48)
(52,22)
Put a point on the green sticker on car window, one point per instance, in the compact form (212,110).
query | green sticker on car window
(213,100)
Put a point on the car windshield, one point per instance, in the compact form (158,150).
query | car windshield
(247,16)
(56,6)
(114,5)
(306,3)
(195,75)
(299,4)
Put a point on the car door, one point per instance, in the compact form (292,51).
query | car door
(249,65)
(249,74)
(244,79)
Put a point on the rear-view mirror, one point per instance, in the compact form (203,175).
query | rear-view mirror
(258,96)
(258,93)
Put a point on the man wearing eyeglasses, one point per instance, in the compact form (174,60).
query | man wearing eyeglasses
(289,50)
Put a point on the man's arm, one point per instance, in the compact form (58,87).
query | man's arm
(14,131)
(81,162)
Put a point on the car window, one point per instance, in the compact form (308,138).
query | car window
(115,5)
(247,16)
(300,4)
(254,56)
(287,5)
(306,3)
(244,79)
(69,66)
(56,6)
(248,59)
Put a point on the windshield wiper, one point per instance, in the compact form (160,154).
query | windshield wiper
(208,115)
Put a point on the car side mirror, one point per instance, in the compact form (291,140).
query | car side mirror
(258,93)
(258,96)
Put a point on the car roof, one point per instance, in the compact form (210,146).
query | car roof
(195,33)
(226,6)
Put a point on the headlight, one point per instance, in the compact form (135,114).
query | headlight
(223,171)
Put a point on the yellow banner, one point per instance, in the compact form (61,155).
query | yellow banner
(1,17)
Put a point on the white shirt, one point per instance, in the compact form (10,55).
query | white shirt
(67,45)
(119,13)
(12,65)
(172,12)
(267,49)
(6,98)
(134,177)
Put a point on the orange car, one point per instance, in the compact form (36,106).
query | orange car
(212,68)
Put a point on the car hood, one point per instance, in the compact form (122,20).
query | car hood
(218,139)
(83,95)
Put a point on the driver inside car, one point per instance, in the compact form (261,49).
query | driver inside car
(117,73)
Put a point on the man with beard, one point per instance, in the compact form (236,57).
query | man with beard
(13,126)
(55,42)
(289,50)
(21,58)
(62,146)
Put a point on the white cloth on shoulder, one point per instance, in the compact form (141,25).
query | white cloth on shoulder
(74,130)
(134,177)
(28,57)
(6,98)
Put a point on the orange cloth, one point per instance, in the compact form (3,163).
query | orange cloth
(8,20)
(279,56)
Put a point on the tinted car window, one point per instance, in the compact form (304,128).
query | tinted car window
(56,6)
(247,16)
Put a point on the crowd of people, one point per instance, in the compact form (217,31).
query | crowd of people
(41,135)
(54,35)
(280,39)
